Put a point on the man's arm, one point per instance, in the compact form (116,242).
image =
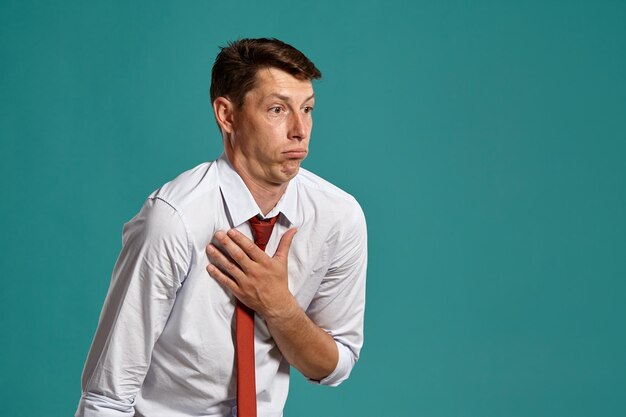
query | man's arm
(148,272)
(338,307)
(303,343)
(324,342)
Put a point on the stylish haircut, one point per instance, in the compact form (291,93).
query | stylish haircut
(235,68)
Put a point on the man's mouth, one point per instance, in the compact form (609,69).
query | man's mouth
(295,153)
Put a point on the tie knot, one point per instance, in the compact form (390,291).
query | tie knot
(262,230)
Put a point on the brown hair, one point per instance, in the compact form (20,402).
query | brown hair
(235,68)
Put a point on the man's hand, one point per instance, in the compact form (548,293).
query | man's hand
(256,279)
(260,282)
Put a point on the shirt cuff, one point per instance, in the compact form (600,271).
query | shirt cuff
(95,405)
(345,363)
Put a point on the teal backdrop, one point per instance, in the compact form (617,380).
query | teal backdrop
(485,140)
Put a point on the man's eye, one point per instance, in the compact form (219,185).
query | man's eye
(275,110)
(308,109)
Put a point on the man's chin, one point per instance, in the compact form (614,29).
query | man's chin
(291,170)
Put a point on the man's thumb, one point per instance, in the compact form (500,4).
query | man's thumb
(285,243)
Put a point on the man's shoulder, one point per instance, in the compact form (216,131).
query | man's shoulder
(323,190)
(336,209)
(189,186)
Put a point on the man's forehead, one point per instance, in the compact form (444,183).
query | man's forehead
(276,82)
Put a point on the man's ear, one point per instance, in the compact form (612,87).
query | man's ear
(224,110)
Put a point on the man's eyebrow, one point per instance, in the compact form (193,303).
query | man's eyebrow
(287,98)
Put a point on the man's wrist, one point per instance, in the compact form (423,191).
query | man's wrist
(289,308)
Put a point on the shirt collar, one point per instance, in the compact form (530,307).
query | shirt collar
(241,204)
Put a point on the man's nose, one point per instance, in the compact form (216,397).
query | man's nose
(298,128)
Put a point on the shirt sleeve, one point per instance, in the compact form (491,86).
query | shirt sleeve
(339,304)
(151,267)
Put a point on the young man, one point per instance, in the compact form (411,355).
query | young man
(193,271)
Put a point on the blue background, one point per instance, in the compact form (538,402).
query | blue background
(485,140)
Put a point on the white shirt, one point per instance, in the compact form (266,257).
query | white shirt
(164,346)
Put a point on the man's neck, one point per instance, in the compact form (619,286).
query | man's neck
(265,195)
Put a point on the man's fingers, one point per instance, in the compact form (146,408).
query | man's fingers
(243,251)
(233,248)
(245,244)
(285,243)
(223,279)
(227,265)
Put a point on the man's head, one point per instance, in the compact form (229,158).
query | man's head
(262,99)
(235,68)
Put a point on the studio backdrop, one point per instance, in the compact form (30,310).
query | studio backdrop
(485,140)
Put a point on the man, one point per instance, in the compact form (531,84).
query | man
(165,343)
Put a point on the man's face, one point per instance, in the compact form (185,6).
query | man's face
(271,130)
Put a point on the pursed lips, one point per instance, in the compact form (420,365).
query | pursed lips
(295,153)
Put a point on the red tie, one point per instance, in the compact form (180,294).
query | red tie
(246,384)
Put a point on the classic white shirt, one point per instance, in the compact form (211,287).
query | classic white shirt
(164,346)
